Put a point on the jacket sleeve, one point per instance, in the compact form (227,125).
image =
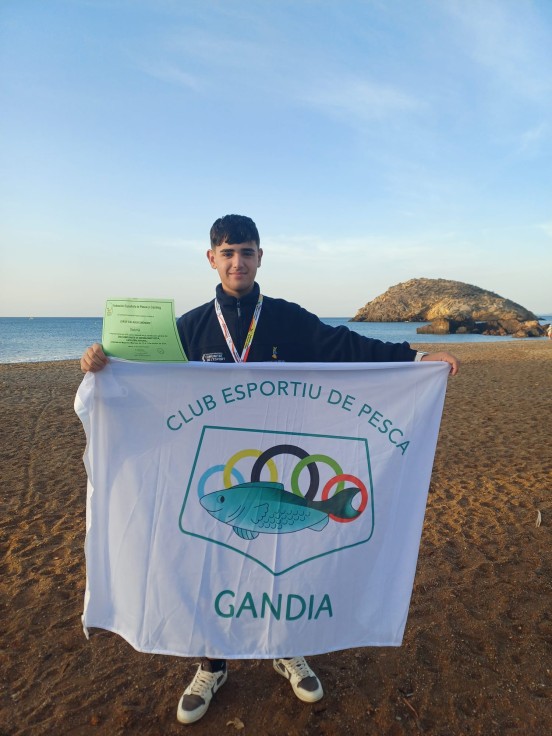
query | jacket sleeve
(340,344)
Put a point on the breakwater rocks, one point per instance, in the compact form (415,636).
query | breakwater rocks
(503,327)
(451,307)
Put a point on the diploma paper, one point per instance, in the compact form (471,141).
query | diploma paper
(142,329)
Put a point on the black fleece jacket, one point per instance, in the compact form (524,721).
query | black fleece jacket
(285,332)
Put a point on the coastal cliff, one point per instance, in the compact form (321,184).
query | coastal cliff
(451,307)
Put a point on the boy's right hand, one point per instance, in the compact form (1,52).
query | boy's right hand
(93,359)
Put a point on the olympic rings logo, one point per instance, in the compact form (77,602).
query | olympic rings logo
(232,476)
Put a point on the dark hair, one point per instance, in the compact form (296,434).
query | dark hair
(234,229)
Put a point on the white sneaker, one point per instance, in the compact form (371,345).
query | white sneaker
(197,696)
(304,682)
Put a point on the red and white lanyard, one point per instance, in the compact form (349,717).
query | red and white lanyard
(251,333)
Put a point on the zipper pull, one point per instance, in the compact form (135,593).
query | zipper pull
(239,308)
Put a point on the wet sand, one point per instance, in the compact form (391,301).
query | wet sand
(477,652)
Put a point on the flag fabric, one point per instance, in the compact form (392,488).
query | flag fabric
(256,510)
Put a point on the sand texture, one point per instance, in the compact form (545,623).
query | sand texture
(477,653)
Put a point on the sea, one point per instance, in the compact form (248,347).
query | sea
(37,339)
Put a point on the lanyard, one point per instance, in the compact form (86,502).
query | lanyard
(248,340)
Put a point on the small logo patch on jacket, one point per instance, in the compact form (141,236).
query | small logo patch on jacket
(212,358)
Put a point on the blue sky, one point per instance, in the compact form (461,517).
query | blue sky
(372,142)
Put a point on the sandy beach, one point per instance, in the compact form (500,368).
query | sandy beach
(477,652)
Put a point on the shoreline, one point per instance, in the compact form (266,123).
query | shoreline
(47,340)
(478,642)
(431,347)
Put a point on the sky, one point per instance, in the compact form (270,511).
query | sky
(372,141)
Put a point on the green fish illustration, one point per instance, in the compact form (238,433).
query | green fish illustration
(267,508)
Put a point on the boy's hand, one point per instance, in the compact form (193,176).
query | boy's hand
(93,359)
(447,358)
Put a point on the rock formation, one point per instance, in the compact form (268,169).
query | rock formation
(451,307)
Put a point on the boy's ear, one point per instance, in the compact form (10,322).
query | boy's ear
(260,256)
(211,258)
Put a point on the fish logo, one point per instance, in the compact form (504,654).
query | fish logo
(267,508)
(249,490)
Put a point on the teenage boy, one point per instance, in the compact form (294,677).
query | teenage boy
(240,325)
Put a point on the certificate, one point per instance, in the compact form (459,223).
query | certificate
(142,329)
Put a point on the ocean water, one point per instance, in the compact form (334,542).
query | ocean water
(24,340)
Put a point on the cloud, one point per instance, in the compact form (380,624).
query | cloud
(509,40)
(531,139)
(360,99)
(214,49)
(546,227)
(275,64)
(183,244)
(317,251)
(171,73)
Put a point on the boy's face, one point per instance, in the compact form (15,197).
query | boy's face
(237,266)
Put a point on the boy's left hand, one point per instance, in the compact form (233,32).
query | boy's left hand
(446,358)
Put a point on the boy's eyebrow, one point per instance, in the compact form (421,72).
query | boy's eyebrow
(230,249)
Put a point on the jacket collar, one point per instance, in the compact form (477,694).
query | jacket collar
(225,300)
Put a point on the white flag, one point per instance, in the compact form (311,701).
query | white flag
(256,510)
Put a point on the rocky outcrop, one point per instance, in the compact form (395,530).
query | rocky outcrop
(421,300)
(451,307)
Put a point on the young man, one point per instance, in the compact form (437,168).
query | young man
(240,325)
